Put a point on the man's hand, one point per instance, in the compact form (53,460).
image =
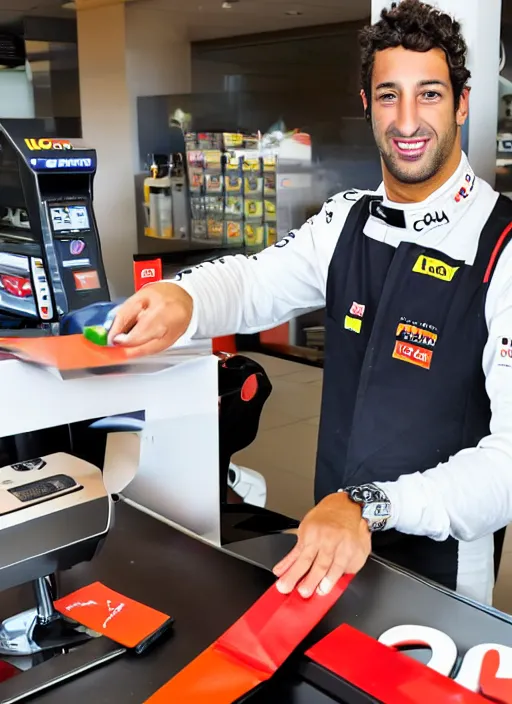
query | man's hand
(152,320)
(333,540)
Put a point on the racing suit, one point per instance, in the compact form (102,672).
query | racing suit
(417,395)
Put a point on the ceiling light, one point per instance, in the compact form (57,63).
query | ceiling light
(69,5)
(229,4)
(294,13)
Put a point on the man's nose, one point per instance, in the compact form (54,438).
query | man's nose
(407,119)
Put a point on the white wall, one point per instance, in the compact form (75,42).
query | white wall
(124,52)
(158,57)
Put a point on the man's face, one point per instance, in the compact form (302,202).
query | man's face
(414,120)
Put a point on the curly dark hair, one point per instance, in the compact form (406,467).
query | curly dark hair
(417,26)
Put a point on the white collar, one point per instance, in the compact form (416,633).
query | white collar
(442,209)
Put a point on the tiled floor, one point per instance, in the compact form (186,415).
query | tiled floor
(284,451)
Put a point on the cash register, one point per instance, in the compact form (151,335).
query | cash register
(54,509)
(50,251)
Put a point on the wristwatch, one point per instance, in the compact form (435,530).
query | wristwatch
(376,507)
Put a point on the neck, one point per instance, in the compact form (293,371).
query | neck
(399,192)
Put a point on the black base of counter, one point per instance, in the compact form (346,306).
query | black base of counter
(206,589)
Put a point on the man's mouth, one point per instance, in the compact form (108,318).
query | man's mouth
(410,149)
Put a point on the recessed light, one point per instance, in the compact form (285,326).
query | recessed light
(293,13)
(229,4)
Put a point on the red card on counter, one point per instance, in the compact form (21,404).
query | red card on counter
(65,353)
(384,673)
(105,611)
(251,651)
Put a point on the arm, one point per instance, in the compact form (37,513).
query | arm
(249,294)
(469,496)
(235,293)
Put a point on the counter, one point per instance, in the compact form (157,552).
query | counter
(206,589)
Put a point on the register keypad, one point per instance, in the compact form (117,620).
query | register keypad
(43,488)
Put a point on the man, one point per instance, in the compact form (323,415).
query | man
(417,283)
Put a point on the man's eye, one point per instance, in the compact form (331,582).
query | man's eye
(431,95)
(387,97)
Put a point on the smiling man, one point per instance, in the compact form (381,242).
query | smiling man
(415,444)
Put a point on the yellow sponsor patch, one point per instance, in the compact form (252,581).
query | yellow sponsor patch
(353,324)
(434,267)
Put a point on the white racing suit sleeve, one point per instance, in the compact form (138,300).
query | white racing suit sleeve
(470,496)
(239,294)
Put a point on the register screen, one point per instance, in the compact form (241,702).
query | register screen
(69,218)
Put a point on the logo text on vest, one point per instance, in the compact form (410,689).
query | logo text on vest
(435,268)
(413,354)
(417,334)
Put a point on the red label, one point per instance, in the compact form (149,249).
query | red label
(357,309)
(146,272)
(86,280)
(413,354)
(123,620)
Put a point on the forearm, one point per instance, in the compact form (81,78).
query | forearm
(238,295)
(467,497)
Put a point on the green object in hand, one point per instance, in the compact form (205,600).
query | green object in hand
(97,334)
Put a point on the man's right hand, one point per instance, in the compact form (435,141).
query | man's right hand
(152,320)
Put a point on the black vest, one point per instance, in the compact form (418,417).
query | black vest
(403,383)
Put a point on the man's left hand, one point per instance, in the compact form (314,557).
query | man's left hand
(333,540)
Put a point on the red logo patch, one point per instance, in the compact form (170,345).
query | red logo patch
(413,354)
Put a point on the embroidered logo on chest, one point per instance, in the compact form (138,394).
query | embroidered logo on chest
(435,268)
(465,190)
(415,343)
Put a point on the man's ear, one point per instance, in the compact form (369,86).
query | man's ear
(366,106)
(463,109)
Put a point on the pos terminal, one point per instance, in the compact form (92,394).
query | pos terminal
(50,252)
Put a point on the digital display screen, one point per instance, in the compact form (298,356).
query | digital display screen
(86,280)
(83,163)
(70,218)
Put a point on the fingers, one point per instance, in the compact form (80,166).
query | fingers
(298,569)
(310,569)
(339,567)
(147,349)
(152,320)
(320,568)
(148,327)
(126,317)
(287,562)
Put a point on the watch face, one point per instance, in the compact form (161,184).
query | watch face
(377,514)
(366,494)
(377,510)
